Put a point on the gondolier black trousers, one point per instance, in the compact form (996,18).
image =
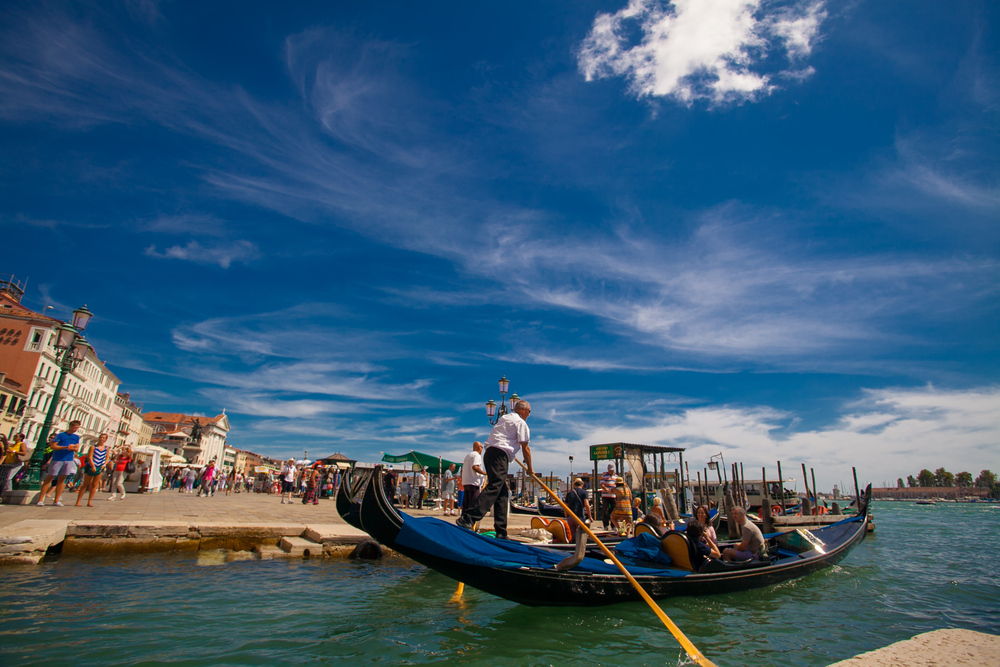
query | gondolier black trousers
(495,495)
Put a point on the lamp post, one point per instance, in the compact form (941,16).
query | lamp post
(712,465)
(495,411)
(571,466)
(70,349)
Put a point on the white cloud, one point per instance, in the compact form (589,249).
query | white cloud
(888,433)
(691,49)
(223,255)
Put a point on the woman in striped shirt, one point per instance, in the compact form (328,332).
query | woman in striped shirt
(96,458)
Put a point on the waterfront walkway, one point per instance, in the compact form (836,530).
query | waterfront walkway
(169,520)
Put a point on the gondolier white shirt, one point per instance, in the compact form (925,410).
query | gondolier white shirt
(508,434)
(469,475)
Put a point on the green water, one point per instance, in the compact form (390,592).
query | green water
(919,572)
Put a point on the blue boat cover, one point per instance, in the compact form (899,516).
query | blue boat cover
(446,540)
(644,547)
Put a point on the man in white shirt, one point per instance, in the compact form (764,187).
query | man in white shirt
(420,488)
(287,481)
(507,437)
(472,476)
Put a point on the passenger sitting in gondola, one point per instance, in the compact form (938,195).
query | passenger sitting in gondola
(621,517)
(751,540)
(704,548)
(656,523)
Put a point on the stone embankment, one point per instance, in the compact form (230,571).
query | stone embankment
(940,648)
(176,522)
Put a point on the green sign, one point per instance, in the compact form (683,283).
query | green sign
(605,452)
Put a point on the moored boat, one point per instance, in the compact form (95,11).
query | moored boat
(527,574)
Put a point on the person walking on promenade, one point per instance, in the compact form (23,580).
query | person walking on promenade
(189,478)
(509,435)
(621,517)
(61,464)
(403,492)
(448,491)
(420,487)
(93,466)
(12,461)
(472,476)
(122,459)
(607,495)
(287,481)
(207,478)
(144,477)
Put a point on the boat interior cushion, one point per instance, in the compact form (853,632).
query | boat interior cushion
(676,545)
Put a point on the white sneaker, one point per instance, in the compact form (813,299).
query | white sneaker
(112,497)
(40,503)
(57,504)
(123,496)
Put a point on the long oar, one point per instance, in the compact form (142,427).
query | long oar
(457,595)
(685,643)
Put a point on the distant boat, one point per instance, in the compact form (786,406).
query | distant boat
(926,502)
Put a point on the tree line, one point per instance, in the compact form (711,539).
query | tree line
(941,477)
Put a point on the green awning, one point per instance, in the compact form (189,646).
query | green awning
(426,461)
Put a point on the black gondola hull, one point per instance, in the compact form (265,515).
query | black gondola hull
(548,587)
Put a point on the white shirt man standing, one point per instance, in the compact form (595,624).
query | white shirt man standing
(420,488)
(509,435)
(473,475)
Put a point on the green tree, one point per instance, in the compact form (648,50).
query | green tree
(926,478)
(986,480)
(963,479)
(900,485)
(911,481)
(943,478)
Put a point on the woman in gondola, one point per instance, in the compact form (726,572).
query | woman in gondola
(703,546)
(702,515)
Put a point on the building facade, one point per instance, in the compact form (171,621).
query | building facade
(12,404)
(199,440)
(28,359)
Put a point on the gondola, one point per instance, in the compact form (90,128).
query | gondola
(526,574)
(547,510)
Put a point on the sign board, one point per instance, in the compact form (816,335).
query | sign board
(605,452)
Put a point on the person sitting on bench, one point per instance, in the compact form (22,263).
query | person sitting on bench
(704,547)
(751,539)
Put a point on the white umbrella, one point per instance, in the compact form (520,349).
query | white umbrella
(303,462)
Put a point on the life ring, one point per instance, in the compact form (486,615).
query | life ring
(775,510)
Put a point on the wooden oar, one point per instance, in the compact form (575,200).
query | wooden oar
(685,643)
(457,595)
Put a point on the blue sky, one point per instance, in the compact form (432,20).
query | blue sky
(765,228)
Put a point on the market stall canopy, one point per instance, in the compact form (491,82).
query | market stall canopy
(338,460)
(166,456)
(426,461)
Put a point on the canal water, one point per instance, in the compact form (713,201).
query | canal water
(925,568)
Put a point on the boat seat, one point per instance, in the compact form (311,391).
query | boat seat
(641,528)
(561,533)
(682,554)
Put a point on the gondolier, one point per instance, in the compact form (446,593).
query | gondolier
(508,436)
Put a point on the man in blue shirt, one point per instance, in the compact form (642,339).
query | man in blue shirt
(61,464)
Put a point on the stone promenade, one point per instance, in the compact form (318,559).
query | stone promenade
(169,520)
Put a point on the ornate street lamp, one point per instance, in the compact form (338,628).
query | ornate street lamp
(494,410)
(70,349)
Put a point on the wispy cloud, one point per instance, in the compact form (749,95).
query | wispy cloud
(224,255)
(886,434)
(694,49)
